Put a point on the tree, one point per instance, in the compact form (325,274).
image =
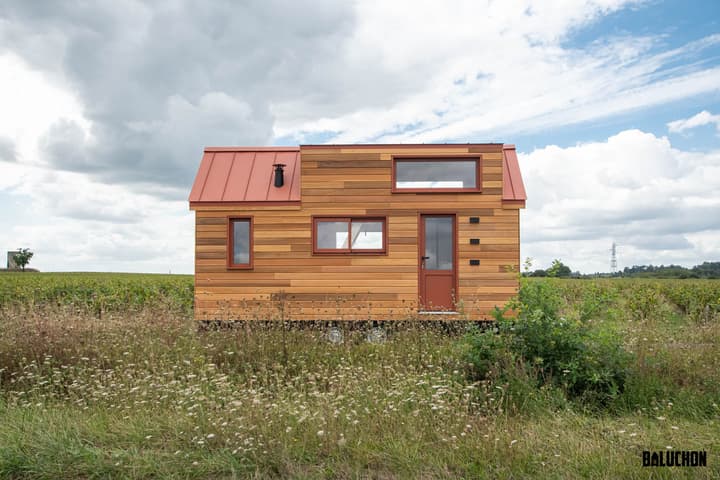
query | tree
(538,273)
(22,257)
(558,269)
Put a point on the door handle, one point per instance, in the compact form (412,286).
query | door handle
(424,258)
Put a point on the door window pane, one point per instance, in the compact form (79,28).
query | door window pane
(367,235)
(332,235)
(439,243)
(241,242)
(427,174)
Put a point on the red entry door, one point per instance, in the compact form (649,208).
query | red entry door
(438,269)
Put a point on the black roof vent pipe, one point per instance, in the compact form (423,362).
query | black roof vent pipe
(279,176)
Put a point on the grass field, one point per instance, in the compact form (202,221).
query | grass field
(107,376)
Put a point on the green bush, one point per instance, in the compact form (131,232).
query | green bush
(586,361)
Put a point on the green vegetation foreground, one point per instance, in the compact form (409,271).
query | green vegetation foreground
(130,389)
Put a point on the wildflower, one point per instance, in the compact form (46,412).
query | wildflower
(513,443)
(320,433)
(660,418)
(674,427)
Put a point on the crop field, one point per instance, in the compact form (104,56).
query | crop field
(108,376)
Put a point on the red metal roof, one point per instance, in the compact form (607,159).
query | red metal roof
(513,188)
(245,174)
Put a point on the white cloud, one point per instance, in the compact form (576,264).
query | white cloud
(506,71)
(31,103)
(658,203)
(698,120)
(73,222)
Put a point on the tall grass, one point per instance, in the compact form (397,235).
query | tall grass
(145,394)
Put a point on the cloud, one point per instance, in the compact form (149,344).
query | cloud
(698,120)
(73,222)
(7,150)
(511,71)
(157,82)
(635,189)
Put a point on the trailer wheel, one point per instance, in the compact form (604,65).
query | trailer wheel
(376,335)
(335,335)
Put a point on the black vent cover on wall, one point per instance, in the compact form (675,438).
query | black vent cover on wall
(474,241)
(474,219)
(474,262)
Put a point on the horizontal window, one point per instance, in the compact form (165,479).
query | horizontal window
(349,235)
(436,174)
(239,242)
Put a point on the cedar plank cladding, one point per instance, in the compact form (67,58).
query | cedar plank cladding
(348,181)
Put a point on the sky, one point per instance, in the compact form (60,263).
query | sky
(105,108)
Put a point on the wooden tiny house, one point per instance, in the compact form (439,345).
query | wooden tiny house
(356,232)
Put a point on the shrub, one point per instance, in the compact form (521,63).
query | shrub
(586,361)
(644,301)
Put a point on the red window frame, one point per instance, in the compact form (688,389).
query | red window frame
(349,250)
(438,158)
(231,246)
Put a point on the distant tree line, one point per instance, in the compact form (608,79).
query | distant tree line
(705,270)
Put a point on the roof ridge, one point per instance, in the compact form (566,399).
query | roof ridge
(252,149)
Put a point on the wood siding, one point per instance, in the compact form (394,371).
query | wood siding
(346,182)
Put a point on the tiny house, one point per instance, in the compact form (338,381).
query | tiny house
(356,232)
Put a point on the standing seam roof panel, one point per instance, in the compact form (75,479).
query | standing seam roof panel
(218,175)
(283,193)
(513,188)
(246,174)
(237,185)
(201,178)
